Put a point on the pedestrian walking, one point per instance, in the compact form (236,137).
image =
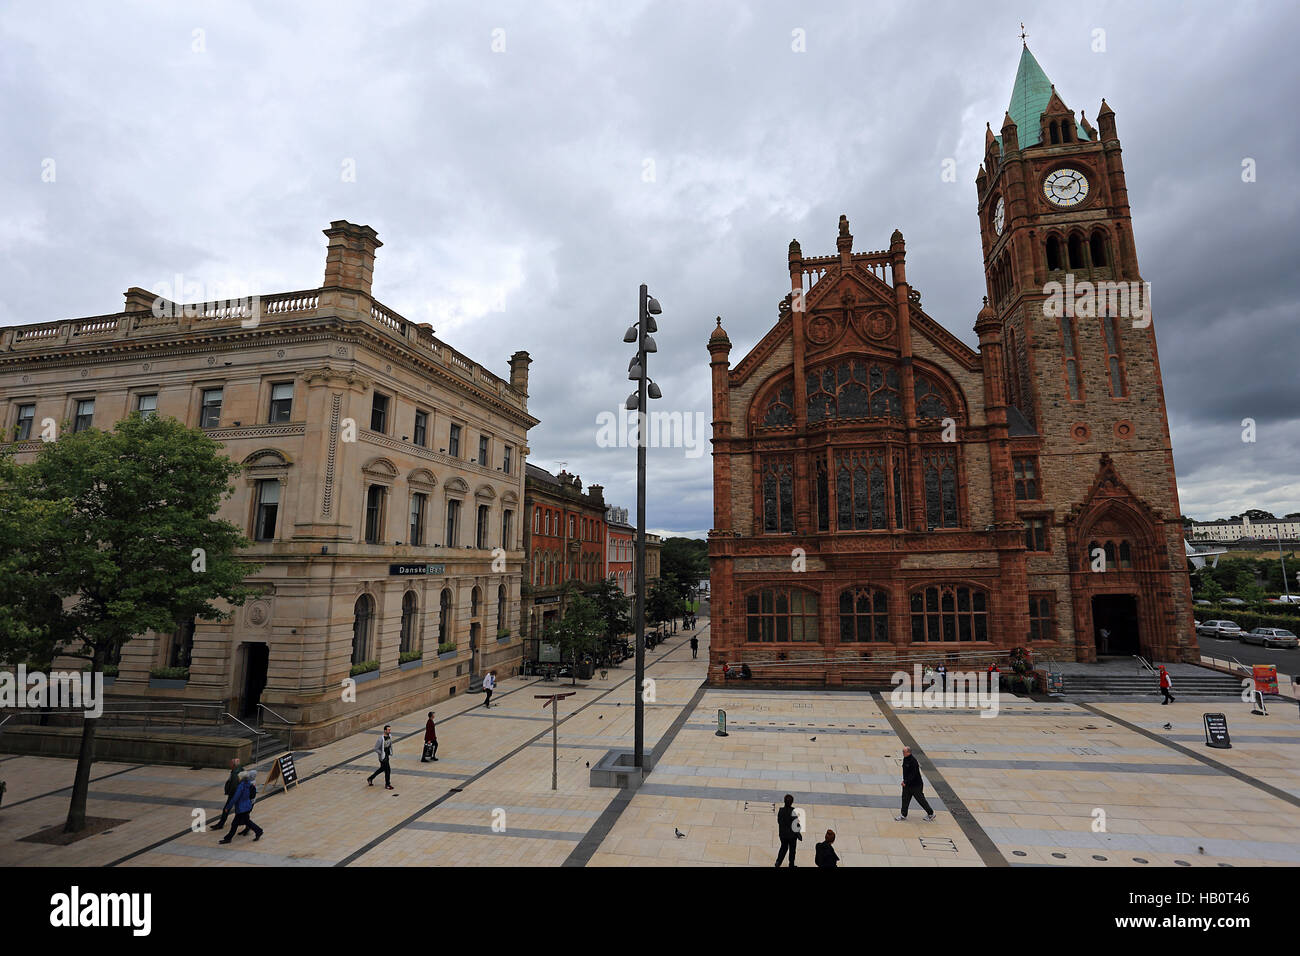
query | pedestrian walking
(1165,685)
(825,854)
(384,751)
(695,648)
(787,830)
(245,795)
(430,740)
(232,784)
(943,675)
(912,787)
(489,685)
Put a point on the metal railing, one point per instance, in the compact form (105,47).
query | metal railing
(258,735)
(263,710)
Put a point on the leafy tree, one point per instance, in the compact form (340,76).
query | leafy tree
(1211,590)
(613,606)
(98,540)
(663,603)
(579,631)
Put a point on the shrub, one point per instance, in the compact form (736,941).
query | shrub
(447,648)
(503,633)
(365,667)
(407,656)
(170,673)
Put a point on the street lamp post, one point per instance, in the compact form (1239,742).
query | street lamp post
(647,308)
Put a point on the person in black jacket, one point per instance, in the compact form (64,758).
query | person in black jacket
(787,828)
(232,783)
(912,786)
(826,855)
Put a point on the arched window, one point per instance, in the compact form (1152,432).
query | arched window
(1097,246)
(410,604)
(1053,252)
(1054,132)
(1076,251)
(778,495)
(860,491)
(362,626)
(444,616)
(864,615)
(501,608)
(948,612)
(853,389)
(930,402)
(780,410)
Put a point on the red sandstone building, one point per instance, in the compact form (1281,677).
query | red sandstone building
(884,493)
(620,553)
(564,540)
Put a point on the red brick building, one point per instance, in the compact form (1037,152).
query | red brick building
(883,492)
(564,540)
(620,555)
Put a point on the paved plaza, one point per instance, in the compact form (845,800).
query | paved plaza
(1055,783)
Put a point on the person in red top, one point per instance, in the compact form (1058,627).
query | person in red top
(1165,685)
(430,741)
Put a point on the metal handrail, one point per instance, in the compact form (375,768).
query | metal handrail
(1143,663)
(257,735)
(261,707)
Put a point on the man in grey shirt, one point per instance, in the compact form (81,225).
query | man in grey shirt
(384,751)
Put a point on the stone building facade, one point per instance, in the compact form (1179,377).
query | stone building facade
(620,553)
(564,541)
(382,488)
(884,493)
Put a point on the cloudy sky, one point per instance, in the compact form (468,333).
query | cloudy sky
(528,165)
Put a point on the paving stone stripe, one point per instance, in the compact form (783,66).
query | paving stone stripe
(247,857)
(1075,765)
(739,728)
(875,801)
(974,833)
(487,830)
(68,790)
(745,773)
(1148,842)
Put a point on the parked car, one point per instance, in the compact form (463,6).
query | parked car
(1235,602)
(1202,602)
(1271,637)
(1224,630)
(1285,599)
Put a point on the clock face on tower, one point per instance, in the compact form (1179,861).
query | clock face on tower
(1065,187)
(999,215)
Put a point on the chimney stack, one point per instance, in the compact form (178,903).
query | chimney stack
(519,363)
(350,256)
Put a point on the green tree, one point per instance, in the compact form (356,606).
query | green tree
(579,631)
(613,607)
(1211,590)
(109,534)
(663,602)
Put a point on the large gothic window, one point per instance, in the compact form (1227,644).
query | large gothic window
(948,612)
(853,389)
(860,491)
(864,615)
(780,410)
(778,496)
(939,471)
(898,490)
(930,401)
(821,495)
(779,615)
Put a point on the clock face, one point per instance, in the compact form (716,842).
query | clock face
(999,215)
(1065,187)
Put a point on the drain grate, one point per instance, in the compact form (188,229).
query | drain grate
(939,844)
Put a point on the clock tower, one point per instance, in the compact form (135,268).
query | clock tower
(1085,404)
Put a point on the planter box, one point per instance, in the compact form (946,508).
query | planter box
(108,681)
(411,665)
(368,675)
(503,640)
(447,656)
(168,683)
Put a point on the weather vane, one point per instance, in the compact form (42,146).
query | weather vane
(1022,32)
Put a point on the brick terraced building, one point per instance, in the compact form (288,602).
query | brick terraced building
(883,492)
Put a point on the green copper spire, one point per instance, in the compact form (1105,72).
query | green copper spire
(1029,98)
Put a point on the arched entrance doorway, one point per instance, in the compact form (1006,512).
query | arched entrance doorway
(1115,625)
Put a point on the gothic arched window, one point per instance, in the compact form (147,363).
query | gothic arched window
(939,471)
(947,612)
(780,410)
(853,389)
(930,401)
(778,496)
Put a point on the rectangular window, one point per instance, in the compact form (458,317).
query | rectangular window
(781,616)
(505,459)
(482,450)
(506,518)
(26,415)
(1118,387)
(420,434)
(268,507)
(210,411)
(1042,616)
(281,402)
(417,518)
(375,514)
(379,413)
(778,496)
(453,442)
(1035,534)
(147,405)
(1026,475)
(481,528)
(85,415)
(1070,349)
(453,523)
